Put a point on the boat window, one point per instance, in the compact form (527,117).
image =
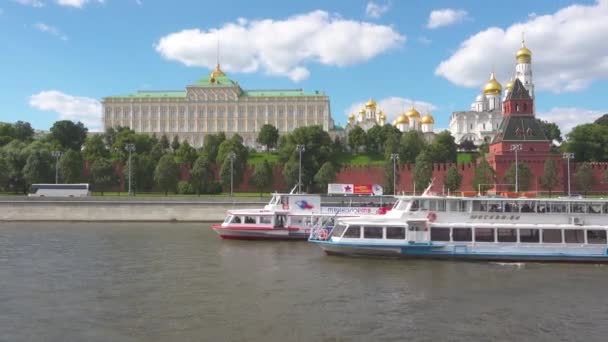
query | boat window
(372,232)
(462,234)
(494,207)
(236,219)
(297,221)
(511,207)
(478,206)
(484,234)
(463,206)
(552,236)
(397,233)
(425,205)
(542,208)
(249,219)
(558,207)
(338,230)
(594,208)
(527,207)
(227,219)
(506,235)
(605,208)
(280,220)
(574,235)
(596,236)
(440,234)
(577,207)
(415,205)
(441,205)
(265,219)
(353,232)
(529,235)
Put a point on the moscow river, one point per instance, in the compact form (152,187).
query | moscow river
(180,282)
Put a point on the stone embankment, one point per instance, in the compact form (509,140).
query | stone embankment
(117,209)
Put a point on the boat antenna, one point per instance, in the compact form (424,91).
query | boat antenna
(428,188)
(293,189)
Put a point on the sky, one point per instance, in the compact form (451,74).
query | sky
(60,58)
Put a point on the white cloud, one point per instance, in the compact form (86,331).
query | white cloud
(76,3)
(393,106)
(567,118)
(375,10)
(52,30)
(281,47)
(568,49)
(445,17)
(33,3)
(75,108)
(424,40)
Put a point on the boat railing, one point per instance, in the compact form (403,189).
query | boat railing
(322,229)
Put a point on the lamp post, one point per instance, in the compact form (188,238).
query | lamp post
(568,156)
(515,148)
(300,148)
(56,154)
(130,147)
(394,158)
(231,157)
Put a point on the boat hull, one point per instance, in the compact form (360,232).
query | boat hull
(429,251)
(258,234)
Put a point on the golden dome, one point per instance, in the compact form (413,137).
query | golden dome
(492,87)
(413,113)
(351,117)
(370,104)
(216,73)
(395,122)
(523,55)
(381,115)
(509,84)
(362,112)
(427,119)
(402,119)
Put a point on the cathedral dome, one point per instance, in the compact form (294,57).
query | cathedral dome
(370,104)
(402,119)
(362,112)
(480,98)
(413,113)
(523,55)
(427,119)
(381,115)
(395,122)
(216,73)
(509,84)
(351,117)
(492,87)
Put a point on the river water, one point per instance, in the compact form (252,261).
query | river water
(180,282)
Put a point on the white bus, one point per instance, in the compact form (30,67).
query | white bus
(60,190)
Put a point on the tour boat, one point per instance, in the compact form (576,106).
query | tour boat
(286,217)
(476,228)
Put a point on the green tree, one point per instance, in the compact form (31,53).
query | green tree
(39,168)
(233,145)
(602,120)
(423,171)
(453,179)
(467,145)
(7,133)
(68,134)
(262,176)
(549,180)
(412,144)
(443,149)
(389,169)
(290,173)
(94,148)
(4,173)
(15,154)
(584,178)
(524,177)
(484,176)
(166,174)
(102,175)
(325,175)
(185,154)
(268,136)
(142,176)
(375,139)
(201,174)
(70,167)
(23,131)
(357,139)
(589,142)
(175,144)
(211,145)
(551,130)
(164,142)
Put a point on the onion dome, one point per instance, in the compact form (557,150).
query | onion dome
(492,87)
(381,115)
(395,122)
(370,104)
(427,119)
(523,55)
(216,73)
(413,113)
(362,112)
(402,119)
(509,84)
(351,117)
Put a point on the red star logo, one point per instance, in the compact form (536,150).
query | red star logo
(347,188)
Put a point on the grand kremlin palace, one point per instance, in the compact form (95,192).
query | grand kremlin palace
(216,104)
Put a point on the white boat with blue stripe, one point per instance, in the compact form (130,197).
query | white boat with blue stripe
(476,228)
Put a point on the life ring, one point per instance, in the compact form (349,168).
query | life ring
(323,234)
(431,216)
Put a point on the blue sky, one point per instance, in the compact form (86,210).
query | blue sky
(61,57)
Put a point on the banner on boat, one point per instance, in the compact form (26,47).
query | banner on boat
(350,210)
(301,203)
(354,189)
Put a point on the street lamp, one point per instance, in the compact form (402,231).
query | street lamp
(231,157)
(515,148)
(568,156)
(300,148)
(56,154)
(394,158)
(130,147)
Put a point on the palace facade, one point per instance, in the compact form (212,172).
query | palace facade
(216,104)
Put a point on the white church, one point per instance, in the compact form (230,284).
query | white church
(480,124)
